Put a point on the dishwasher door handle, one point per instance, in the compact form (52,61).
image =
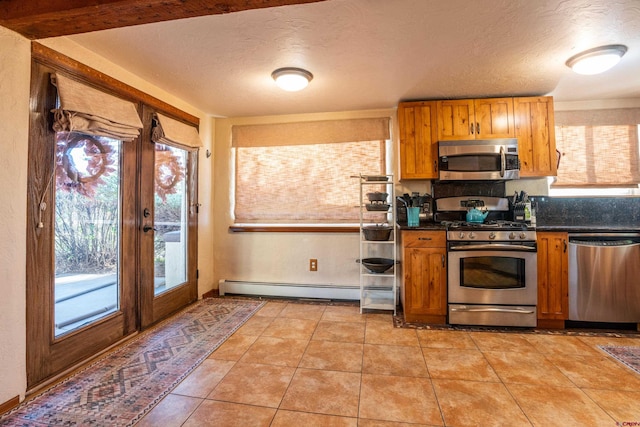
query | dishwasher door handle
(464,309)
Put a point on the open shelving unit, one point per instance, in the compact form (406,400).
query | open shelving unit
(378,291)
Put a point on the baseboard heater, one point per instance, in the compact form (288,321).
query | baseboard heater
(290,290)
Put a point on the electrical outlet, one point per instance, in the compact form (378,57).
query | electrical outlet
(313,265)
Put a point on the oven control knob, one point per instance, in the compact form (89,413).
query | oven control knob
(523,235)
(461,235)
(512,235)
(492,235)
(471,235)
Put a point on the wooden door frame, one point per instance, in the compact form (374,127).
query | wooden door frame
(69,349)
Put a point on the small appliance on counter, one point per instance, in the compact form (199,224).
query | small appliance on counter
(424,202)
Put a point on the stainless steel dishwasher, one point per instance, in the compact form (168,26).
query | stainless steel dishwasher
(604,277)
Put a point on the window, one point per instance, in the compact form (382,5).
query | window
(599,152)
(302,172)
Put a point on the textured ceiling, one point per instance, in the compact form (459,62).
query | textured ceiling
(369,54)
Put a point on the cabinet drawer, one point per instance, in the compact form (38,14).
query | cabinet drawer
(424,239)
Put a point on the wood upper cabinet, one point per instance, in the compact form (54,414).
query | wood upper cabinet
(553,278)
(475,119)
(424,288)
(536,136)
(418,144)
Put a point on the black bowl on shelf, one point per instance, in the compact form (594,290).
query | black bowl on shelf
(377,207)
(377,232)
(377,265)
(376,178)
(377,196)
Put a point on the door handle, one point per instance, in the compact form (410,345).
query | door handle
(148,228)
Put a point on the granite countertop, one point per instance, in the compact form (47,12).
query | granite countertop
(599,228)
(430,226)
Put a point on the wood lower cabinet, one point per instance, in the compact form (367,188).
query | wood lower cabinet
(424,287)
(418,144)
(535,130)
(488,118)
(553,279)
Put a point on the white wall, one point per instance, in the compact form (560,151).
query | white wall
(15,66)
(278,257)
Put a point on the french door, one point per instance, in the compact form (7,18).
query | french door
(111,237)
(169,227)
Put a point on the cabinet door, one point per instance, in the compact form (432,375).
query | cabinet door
(494,118)
(418,145)
(553,276)
(425,282)
(456,120)
(536,136)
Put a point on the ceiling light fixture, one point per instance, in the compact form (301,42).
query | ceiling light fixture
(292,79)
(596,60)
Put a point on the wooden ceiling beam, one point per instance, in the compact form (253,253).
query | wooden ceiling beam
(38,19)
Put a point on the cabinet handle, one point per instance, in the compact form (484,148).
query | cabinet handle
(564,245)
(442,261)
(435,166)
(424,238)
(471,128)
(477,128)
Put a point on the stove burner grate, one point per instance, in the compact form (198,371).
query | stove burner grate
(494,224)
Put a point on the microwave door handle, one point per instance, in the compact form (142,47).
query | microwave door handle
(503,162)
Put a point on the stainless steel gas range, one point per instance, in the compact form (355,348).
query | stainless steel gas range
(492,266)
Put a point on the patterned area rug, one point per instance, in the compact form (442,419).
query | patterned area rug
(629,356)
(122,386)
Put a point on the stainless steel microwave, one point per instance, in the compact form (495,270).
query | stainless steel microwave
(489,159)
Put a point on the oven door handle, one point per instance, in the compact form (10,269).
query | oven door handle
(493,246)
(493,309)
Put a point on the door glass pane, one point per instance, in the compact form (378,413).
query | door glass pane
(87,230)
(170,220)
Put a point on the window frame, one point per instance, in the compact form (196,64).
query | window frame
(310,225)
(628,117)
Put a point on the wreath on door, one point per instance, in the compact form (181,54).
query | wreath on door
(169,171)
(82,161)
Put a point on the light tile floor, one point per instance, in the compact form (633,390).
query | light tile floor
(307,365)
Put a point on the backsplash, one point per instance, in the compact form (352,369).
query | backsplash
(468,188)
(597,212)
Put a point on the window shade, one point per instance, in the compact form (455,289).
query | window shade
(599,148)
(305,133)
(168,130)
(304,183)
(87,110)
